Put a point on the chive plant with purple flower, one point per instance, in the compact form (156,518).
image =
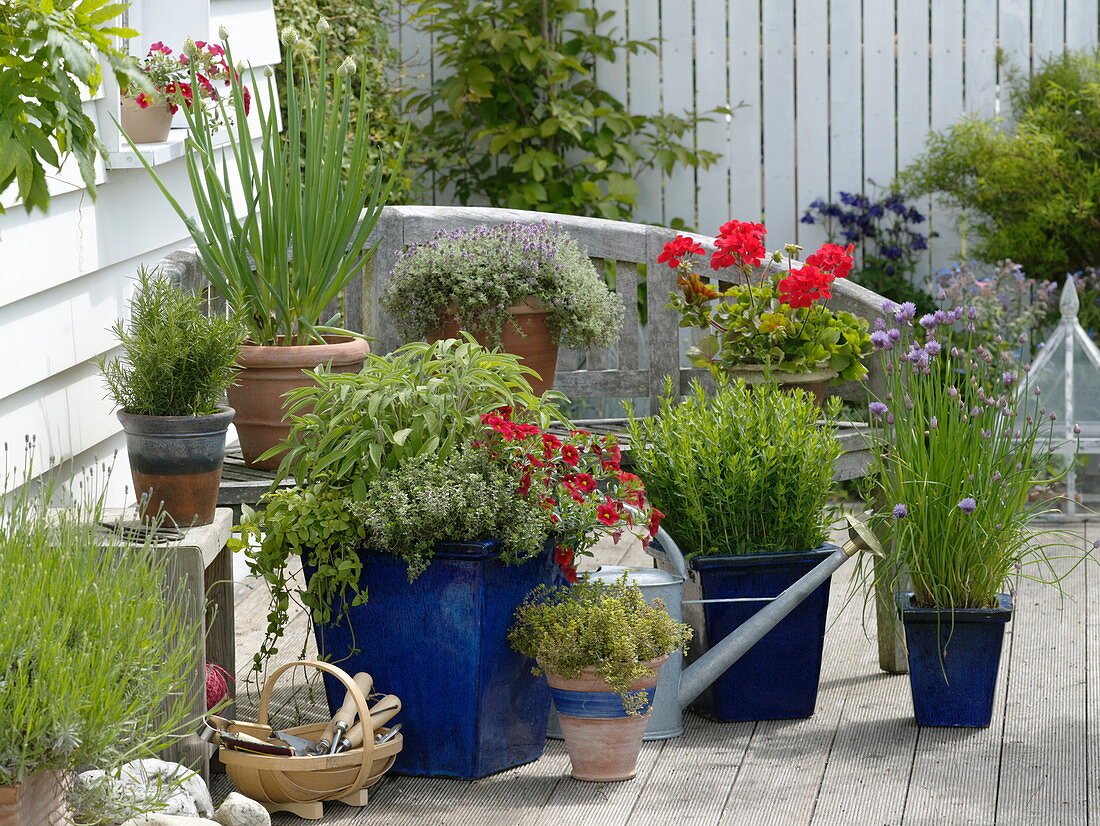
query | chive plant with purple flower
(960,441)
(884,231)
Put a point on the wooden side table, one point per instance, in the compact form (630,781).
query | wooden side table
(202,564)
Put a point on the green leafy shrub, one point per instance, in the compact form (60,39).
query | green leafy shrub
(607,625)
(175,360)
(746,470)
(519,120)
(96,656)
(50,51)
(476,274)
(1032,192)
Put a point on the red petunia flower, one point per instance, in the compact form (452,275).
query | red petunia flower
(833,258)
(144,100)
(584,482)
(608,513)
(524,484)
(655,517)
(739,244)
(805,286)
(677,248)
(570,455)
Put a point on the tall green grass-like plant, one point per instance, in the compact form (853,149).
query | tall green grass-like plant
(306,206)
(175,360)
(95,653)
(956,460)
(746,470)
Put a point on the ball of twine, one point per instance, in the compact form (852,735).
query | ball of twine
(217,685)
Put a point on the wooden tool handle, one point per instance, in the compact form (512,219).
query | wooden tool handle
(387,709)
(346,714)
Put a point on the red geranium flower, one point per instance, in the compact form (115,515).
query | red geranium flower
(803,287)
(833,258)
(740,244)
(677,248)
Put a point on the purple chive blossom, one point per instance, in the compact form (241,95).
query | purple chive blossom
(967,505)
(928,321)
(894,333)
(880,323)
(932,347)
(933,423)
(975,412)
(889,306)
(953,392)
(900,512)
(996,476)
(940,317)
(1096,545)
(877,409)
(1077,430)
(889,418)
(941,295)
(881,340)
(1008,379)
(954,352)
(972,313)
(1053,416)
(906,312)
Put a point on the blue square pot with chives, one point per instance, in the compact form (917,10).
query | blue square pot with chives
(777,679)
(954,656)
(470,705)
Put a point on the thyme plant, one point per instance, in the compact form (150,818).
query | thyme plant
(610,626)
(742,471)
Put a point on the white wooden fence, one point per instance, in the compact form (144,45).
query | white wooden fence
(836,92)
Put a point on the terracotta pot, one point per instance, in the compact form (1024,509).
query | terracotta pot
(176,464)
(37,801)
(813,382)
(525,334)
(602,739)
(268,373)
(149,125)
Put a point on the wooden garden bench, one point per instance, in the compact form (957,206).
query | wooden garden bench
(649,351)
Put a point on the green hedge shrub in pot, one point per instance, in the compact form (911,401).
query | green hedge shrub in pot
(600,646)
(962,439)
(429,495)
(742,478)
(169,384)
(98,657)
(308,210)
(525,287)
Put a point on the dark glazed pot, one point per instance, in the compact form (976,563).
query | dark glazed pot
(267,374)
(176,463)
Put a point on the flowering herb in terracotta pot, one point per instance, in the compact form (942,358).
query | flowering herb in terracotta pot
(775,315)
(962,438)
(474,275)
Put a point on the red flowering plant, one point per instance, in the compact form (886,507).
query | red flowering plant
(579,482)
(775,311)
(200,69)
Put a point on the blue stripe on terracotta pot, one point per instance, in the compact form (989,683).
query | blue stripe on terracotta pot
(599,705)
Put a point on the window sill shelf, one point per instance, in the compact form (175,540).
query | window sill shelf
(156,153)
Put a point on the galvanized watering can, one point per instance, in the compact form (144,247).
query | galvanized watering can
(677,686)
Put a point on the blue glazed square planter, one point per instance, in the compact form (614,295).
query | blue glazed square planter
(953,661)
(777,678)
(470,705)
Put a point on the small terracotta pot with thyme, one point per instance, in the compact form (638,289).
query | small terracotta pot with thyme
(601,646)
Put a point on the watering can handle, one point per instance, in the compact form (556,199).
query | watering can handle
(662,546)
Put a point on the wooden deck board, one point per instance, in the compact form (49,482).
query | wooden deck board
(860,759)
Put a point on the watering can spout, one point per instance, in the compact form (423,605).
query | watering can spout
(695,679)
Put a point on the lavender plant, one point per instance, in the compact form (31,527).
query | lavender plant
(477,274)
(956,460)
(884,231)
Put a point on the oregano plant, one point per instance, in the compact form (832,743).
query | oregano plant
(518,117)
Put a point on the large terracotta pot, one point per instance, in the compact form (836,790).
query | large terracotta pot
(525,334)
(267,374)
(176,463)
(37,801)
(149,125)
(603,740)
(813,382)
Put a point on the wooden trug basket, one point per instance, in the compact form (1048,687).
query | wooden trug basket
(299,784)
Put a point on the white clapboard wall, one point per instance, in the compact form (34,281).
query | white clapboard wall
(66,275)
(835,92)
